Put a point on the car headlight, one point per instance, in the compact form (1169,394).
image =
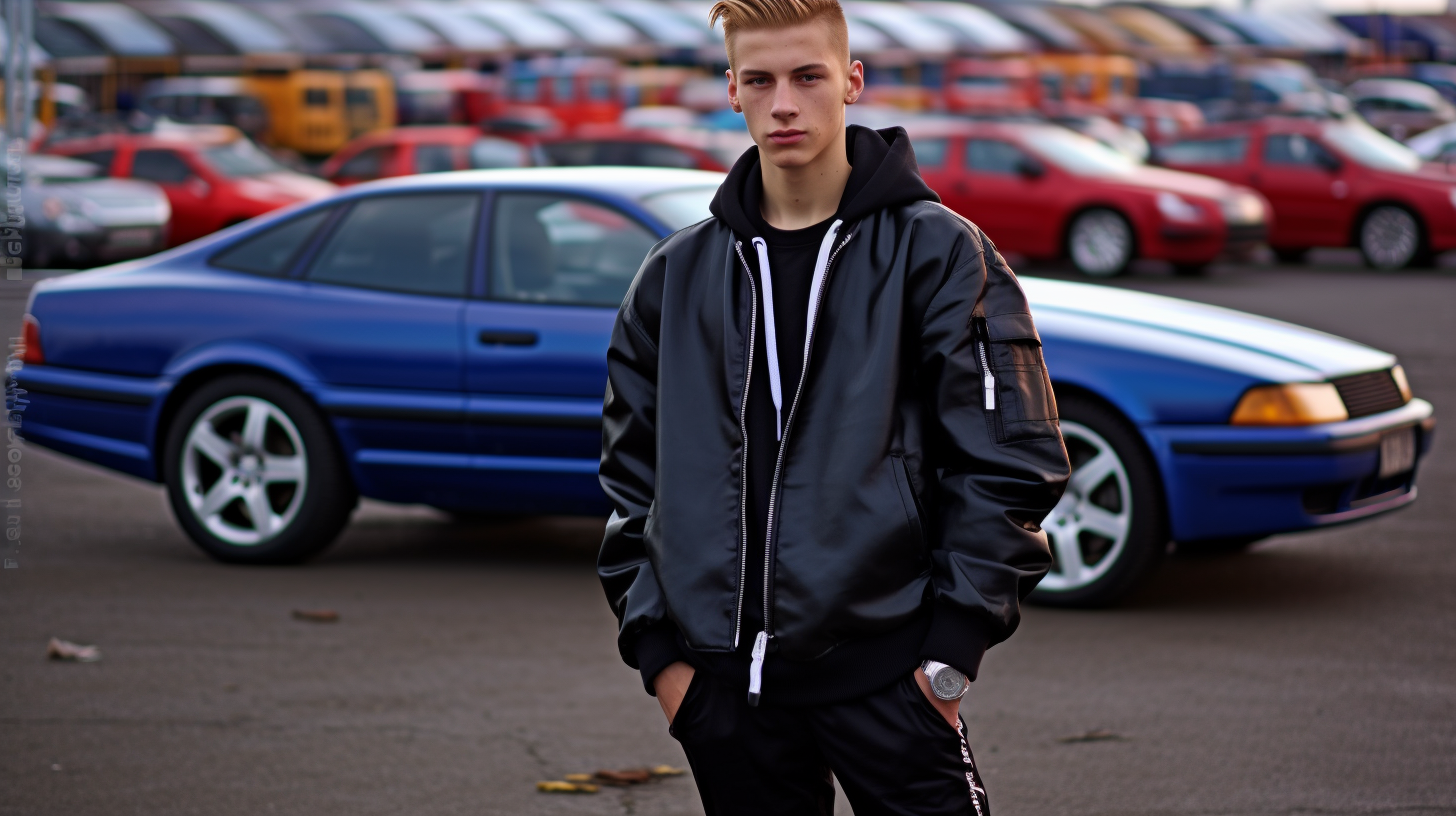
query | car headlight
(1398,374)
(1453,196)
(1243,208)
(1175,208)
(1290,404)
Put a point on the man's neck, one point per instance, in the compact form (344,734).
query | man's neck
(799,197)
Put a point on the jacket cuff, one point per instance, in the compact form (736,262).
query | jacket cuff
(957,638)
(657,649)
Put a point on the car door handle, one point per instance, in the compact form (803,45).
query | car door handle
(507,337)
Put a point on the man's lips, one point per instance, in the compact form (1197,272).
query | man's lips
(787,137)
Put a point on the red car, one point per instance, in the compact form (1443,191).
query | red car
(433,149)
(1045,192)
(214,176)
(1332,183)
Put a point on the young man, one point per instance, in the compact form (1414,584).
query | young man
(829,439)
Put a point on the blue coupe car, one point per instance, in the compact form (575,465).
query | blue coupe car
(441,340)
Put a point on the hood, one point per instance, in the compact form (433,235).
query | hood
(297,185)
(126,202)
(883,174)
(1223,338)
(1176,181)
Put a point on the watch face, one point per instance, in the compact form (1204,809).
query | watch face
(948,683)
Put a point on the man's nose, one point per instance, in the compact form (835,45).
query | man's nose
(784,105)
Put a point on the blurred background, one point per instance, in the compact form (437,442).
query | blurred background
(230,109)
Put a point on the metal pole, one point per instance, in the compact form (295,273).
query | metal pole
(19,25)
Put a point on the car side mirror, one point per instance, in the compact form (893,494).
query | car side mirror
(198,187)
(1030,168)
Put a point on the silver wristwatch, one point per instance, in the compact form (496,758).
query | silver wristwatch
(945,683)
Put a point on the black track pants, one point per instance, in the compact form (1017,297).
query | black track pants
(891,750)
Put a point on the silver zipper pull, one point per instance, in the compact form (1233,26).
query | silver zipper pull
(988,380)
(755,667)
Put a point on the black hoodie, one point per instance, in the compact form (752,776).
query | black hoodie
(883,174)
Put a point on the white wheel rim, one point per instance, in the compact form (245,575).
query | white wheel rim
(1092,521)
(244,470)
(1100,243)
(1389,237)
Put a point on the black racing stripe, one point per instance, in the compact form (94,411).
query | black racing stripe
(457,415)
(85,392)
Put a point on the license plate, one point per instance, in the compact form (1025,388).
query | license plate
(1397,452)
(131,237)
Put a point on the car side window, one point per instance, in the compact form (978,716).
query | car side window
(1295,149)
(648,154)
(1230,150)
(548,248)
(419,243)
(273,251)
(929,152)
(493,152)
(573,154)
(993,156)
(434,158)
(161,166)
(365,165)
(100,158)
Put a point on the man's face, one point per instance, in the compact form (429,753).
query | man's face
(792,84)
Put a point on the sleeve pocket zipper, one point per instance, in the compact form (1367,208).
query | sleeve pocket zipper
(988,377)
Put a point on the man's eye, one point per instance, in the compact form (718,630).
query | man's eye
(758,82)
(810,77)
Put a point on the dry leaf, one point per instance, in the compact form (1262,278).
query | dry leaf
(1093,736)
(316,615)
(667,770)
(578,777)
(59,649)
(556,786)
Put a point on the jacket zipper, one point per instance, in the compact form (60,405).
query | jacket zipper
(988,377)
(760,642)
(743,428)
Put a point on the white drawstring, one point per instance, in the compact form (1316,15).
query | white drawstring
(770,331)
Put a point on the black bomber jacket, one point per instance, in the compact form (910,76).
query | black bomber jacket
(917,462)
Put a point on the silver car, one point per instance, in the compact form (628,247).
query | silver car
(76,216)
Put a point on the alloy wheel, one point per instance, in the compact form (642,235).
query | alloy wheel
(1089,527)
(1390,237)
(244,470)
(1100,243)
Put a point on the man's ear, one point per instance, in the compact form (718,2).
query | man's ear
(856,83)
(733,91)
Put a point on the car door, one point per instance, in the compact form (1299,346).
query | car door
(1306,185)
(192,212)
(558,266)
(931,156)
(1013,207)
(387,290)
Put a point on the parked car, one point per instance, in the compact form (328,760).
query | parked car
(1332,183)
(1043,191)
(213,175)
(1435,145)
(434,149)
(442,340)
(77,216)
(1400,107)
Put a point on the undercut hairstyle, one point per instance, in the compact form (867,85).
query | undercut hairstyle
(752,15)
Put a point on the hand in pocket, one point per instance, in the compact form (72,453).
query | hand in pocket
(671,685)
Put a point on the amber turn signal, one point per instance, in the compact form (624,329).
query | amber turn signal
(1398,374)
(1290,404)
(30,342)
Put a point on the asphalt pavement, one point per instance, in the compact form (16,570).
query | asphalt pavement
(1315,674)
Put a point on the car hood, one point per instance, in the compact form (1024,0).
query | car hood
(1175,181)
(297,185)
(125,202)
(1259,347)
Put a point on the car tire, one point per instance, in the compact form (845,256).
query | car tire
(1218,546)
(1101,243)
(243,446)
(1109,531)
(1291,255)
(1390,237)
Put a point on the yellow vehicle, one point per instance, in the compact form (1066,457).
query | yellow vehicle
(315,112)
(1096,78)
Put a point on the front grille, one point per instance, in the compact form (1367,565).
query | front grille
(1369,393)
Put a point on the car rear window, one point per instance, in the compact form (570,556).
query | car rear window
(273,251)
(405,243)
(1230,150)
(548,248)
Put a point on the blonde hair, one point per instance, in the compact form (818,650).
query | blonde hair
(751,15)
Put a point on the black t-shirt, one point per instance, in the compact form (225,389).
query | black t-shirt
(791,257)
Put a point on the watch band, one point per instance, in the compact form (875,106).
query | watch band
(943,680)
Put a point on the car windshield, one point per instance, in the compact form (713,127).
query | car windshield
(1076,153)
(1365,145)
(240,157)
(680,208)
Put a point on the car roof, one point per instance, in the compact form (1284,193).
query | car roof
(181,137)
(631,182)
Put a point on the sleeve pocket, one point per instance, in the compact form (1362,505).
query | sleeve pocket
(1025,406)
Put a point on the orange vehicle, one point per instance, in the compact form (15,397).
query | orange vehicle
(1099,78)
(981,86)
(315,112)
